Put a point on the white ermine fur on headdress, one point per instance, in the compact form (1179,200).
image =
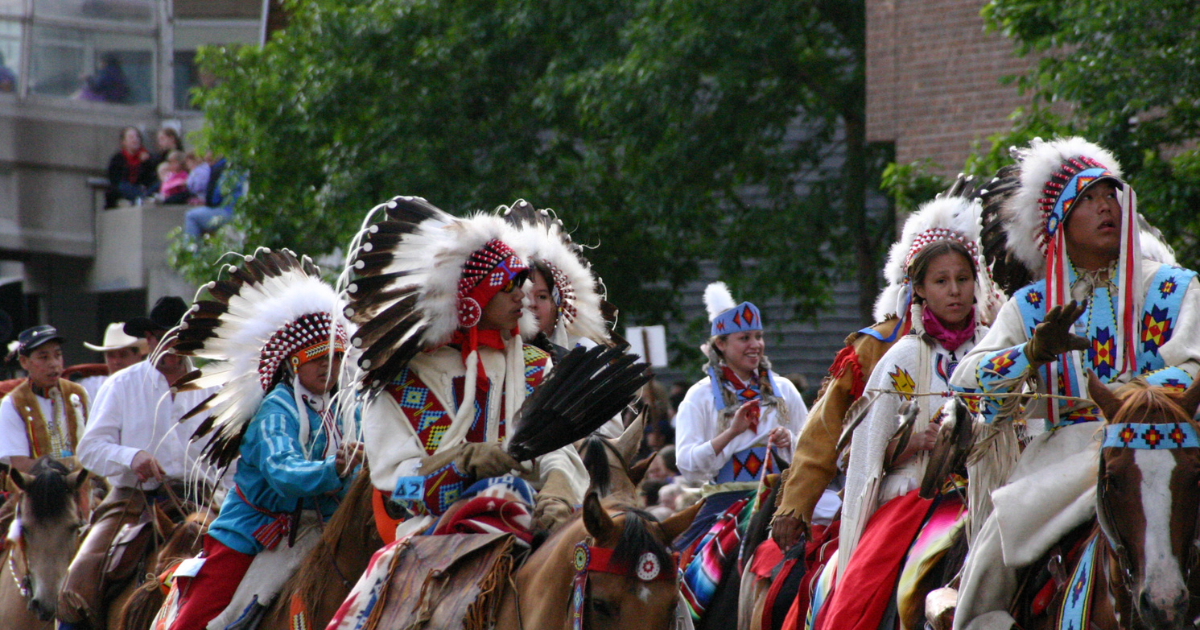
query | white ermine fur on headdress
(232,327)
(1022,211)
(717,299)
(542,238)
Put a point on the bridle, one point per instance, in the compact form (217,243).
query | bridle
(1158,436)
(24,581)
(588,558)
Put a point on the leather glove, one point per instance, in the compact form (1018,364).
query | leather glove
(553,506)
(1053,336)
(479,460)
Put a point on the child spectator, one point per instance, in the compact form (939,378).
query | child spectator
(197,179)
(174,175)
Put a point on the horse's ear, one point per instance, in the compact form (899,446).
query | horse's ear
(595,518)
(1107,401)
(76,479)
(637,472)
(19,478)
(631,438)
(1190,400)
(678,523)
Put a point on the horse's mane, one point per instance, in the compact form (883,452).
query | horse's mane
(594,454)
(49,493)
(637,538)
(1138,397)
(313,577)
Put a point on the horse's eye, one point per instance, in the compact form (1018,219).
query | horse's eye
(606,608)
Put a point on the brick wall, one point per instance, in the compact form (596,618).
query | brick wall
(933,79)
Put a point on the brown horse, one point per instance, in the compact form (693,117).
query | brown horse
(48,515)
(1147,493)
(334,564)
(135,606)
(540,592)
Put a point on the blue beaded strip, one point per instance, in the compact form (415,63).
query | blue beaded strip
(1164,436)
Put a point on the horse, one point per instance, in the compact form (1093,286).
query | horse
(346,546)
(135,606)
(42,521)
(607,462)
(625,554)
(1145,535)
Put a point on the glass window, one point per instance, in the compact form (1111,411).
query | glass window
(115,10)
(12,7)
(92,66)
(10,55)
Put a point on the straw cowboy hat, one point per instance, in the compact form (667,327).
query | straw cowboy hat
(115,339)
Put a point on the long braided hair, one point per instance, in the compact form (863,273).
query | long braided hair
(716,361)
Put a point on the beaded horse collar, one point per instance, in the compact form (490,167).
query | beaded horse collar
(1163,436)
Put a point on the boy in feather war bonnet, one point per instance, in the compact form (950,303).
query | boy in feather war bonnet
(442,362)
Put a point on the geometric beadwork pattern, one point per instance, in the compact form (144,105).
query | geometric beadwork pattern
(1165,436)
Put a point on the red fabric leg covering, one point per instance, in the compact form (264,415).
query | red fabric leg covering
(862,594)
(206,595)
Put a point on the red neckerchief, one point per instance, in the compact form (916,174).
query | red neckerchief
(132,163)
(950,339)
(745,393)
(470,339)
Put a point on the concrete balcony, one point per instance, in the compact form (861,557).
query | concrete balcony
(131,252)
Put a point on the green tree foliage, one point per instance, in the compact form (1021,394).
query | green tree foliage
(667,132)
(1124,75)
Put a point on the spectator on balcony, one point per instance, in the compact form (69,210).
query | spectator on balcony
(167,140)
(225,187)
(130,171)
(198,177)
(109,84)
(173,174)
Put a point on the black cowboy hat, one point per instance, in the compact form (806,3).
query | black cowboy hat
(165,315)
(31,338)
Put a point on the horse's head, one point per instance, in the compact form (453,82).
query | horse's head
(1147,496)
(50,520)
(623,557)
(608,462)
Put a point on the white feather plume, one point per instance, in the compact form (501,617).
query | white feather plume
(717,299)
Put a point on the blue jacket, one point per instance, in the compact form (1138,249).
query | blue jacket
(274,475)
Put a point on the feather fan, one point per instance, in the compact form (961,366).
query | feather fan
(583,391)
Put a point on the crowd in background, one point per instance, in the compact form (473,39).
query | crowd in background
(171,175)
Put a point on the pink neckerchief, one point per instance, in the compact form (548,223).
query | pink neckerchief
(950,339)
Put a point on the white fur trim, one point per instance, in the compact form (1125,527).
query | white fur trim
(717,299)
(547,243)
(954,213)
(432,256)
(1024,223)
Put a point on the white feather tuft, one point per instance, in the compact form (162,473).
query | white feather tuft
(717,299)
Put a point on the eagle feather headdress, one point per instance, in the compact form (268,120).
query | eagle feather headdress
(264,312)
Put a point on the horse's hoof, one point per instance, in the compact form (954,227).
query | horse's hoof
(939,608)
